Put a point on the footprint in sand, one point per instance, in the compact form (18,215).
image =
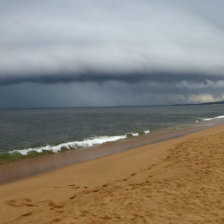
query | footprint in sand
(72,197)
(55,220)
(26,214)
(20,203)
(53,205)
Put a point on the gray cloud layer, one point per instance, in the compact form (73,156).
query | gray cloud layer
(135,44)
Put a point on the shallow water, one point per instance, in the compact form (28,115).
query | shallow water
(36,128)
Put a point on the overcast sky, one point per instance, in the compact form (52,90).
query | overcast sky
(109,53)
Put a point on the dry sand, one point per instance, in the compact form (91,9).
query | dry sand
(175,181)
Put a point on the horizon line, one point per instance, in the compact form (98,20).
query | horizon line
(116,106)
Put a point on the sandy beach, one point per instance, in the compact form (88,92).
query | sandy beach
(180,180)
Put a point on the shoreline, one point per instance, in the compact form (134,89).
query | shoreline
(174,181)
(24,168)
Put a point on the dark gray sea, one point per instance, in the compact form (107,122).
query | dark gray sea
(54,129)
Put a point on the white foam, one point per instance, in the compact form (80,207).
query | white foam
(134,134)
(212,118)
(72,145)
(77,144)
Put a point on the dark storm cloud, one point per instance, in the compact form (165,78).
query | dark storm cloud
(111,93)
(159,77)
(149,51)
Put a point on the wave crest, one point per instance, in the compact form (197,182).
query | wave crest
(72,145)
(213,118)
(77,144)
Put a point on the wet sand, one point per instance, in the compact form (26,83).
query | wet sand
(180,180)
(28,167)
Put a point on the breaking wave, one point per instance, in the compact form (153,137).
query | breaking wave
(213,118)
(78,144)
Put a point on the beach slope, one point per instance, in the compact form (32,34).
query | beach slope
(175,181)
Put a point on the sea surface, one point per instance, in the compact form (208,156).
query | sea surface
(40,130)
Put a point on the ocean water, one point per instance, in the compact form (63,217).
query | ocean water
(40,130)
